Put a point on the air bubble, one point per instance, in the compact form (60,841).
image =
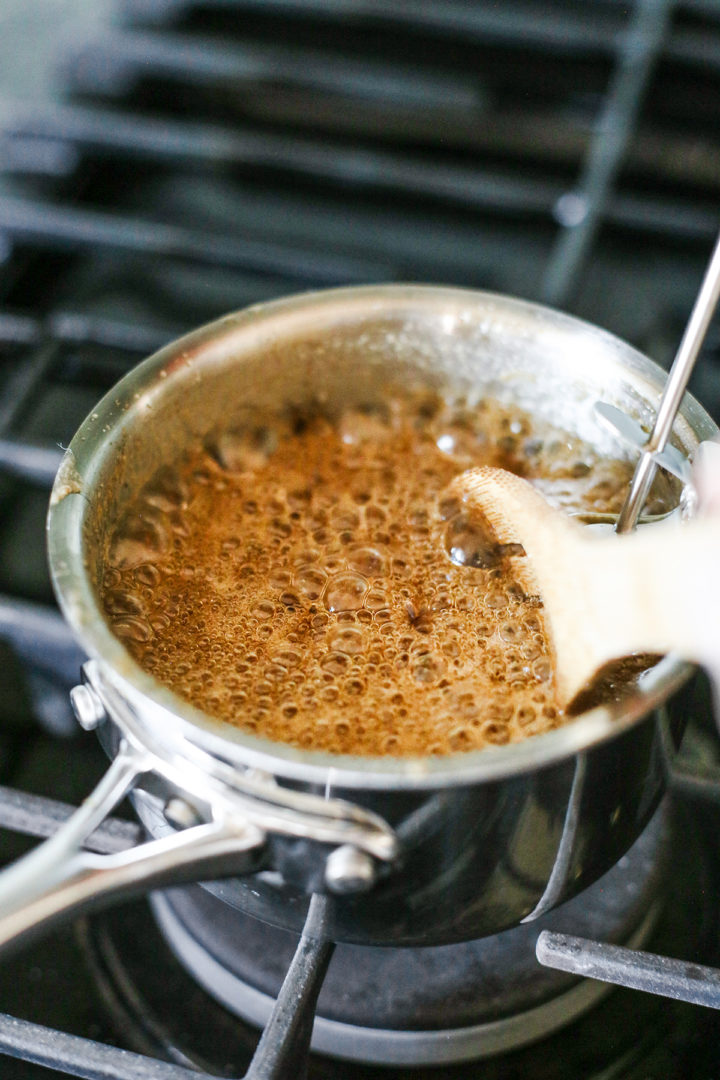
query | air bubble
(345,592)
(416,653)
(429,668)
(495,600)
(310,581)
(367,561)
(132,629)
(344,518)
(139,541)
(347,639)
(289,658)
(244,450)
(335,663)
(525,715)
(375,515)
(495,732)
(166,491)
(279,578)
(275,672)
(449,507)
(460,739)
(542,669)
(147,574)
(263,610)
(119,602)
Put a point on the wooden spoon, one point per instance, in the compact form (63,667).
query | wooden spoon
(606,597)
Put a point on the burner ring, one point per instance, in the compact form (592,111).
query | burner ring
(384,1046)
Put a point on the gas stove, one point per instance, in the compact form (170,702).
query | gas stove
(207,154)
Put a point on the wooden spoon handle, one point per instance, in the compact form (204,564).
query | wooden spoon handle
(657,590)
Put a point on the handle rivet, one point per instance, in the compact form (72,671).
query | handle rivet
(180,814)
(349,870)
(87,706)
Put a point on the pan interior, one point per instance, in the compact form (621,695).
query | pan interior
(336,350)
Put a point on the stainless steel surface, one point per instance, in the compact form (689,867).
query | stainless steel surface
(673,394)
(546,362)
(349,871)
(633,435)
(493,843)
(87,707)
(59,877)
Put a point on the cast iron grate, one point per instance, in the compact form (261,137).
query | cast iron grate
(212,153)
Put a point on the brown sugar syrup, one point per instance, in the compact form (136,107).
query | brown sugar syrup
(306,578)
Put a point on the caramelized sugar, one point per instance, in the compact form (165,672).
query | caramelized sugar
(306,578)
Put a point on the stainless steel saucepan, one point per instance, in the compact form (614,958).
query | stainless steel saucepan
(417,851)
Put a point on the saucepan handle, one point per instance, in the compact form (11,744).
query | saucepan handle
(59,878)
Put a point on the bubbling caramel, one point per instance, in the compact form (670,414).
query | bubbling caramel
(307,579)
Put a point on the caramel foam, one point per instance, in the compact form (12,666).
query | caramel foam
(307,579)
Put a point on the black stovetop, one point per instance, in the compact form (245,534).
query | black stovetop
(112,979)
(210,153)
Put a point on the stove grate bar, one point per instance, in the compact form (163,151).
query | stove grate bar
(36,815)
(285,1043)
(83,1058)
(112,62)
(69,228)
(111,132)
(23,382)
(550,136)
(37,465)
(74,328)
(580,212)
(40,637)
(106,131)
(78,329)
(510,23)
(631,968)
(18,329)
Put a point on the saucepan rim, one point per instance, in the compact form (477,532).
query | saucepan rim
(176,720)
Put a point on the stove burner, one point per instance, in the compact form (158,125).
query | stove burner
(386,1046)
(160,1010)
(391,1006)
